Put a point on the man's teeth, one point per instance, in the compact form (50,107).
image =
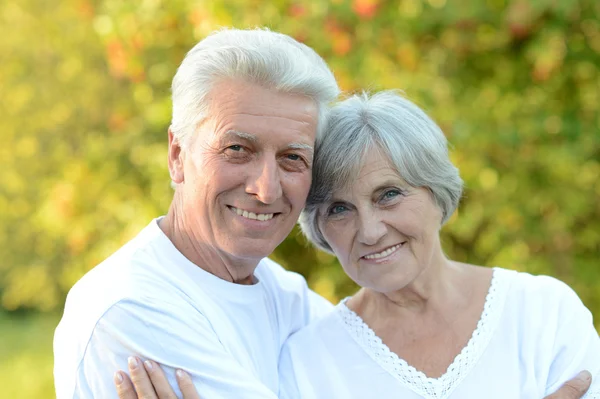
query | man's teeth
(251,215)
(383,253)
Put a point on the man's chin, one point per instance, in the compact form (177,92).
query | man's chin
(252,249)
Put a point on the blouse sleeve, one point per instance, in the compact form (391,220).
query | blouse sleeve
(576,345)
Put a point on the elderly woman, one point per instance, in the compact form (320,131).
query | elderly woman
(422,325)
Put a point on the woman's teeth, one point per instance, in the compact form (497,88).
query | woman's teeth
(383,254)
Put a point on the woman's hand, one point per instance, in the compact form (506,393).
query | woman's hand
(575,388)
(148,381)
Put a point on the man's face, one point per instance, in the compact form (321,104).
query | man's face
(246,173)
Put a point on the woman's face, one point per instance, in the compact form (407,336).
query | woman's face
(384,232)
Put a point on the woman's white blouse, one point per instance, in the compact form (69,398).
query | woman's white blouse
(533,335)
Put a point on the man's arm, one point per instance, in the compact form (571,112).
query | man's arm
(153,331)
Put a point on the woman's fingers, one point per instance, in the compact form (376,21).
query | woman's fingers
(124,386)
(140,379)
(148,381)
(159,381)
(186,385)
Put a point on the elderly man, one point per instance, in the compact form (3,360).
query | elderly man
(194,289)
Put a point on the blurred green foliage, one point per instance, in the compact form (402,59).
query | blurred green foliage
(26,356)
(85,106)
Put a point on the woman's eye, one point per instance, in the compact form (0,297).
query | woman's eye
(337,209)
(293,157)
(391,194)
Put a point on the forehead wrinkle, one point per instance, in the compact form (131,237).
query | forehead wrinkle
(383,170)
(298,118)
(293,125)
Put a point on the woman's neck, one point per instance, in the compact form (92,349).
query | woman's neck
(440,288)
(429,321)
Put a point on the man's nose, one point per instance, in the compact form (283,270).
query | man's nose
(371,228)
(265,182)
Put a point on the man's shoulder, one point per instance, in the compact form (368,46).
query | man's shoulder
(323,332)
(118,275)
(291,295)
(133,273)
(276,276)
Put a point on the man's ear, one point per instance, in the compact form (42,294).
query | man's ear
(176,155)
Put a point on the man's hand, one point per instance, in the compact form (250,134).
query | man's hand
(574,388)
(149,382)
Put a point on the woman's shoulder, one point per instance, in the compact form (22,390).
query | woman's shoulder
(530,286)
(555,329)
(532,296)
(522,282)
(539,298)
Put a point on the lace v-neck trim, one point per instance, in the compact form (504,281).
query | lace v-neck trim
(441,387)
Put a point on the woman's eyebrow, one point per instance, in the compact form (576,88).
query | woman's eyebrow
(385,185)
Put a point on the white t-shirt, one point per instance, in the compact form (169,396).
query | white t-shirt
(147,299)
(533,335)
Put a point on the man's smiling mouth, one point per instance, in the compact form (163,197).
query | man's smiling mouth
(253,216)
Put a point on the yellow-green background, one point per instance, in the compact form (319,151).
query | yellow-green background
(84,108)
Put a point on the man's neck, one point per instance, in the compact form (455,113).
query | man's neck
(204,255)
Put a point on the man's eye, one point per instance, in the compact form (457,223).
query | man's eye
(237,153)
(235,148)
(294,162)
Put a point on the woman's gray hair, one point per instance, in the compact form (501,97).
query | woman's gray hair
(401,131)
(270,59)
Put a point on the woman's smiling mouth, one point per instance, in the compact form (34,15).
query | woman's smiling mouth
(385,253)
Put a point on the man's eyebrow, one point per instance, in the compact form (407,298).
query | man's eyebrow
(254,139)
(301,146)
(241,135)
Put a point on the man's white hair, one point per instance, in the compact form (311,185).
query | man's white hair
(272,60)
